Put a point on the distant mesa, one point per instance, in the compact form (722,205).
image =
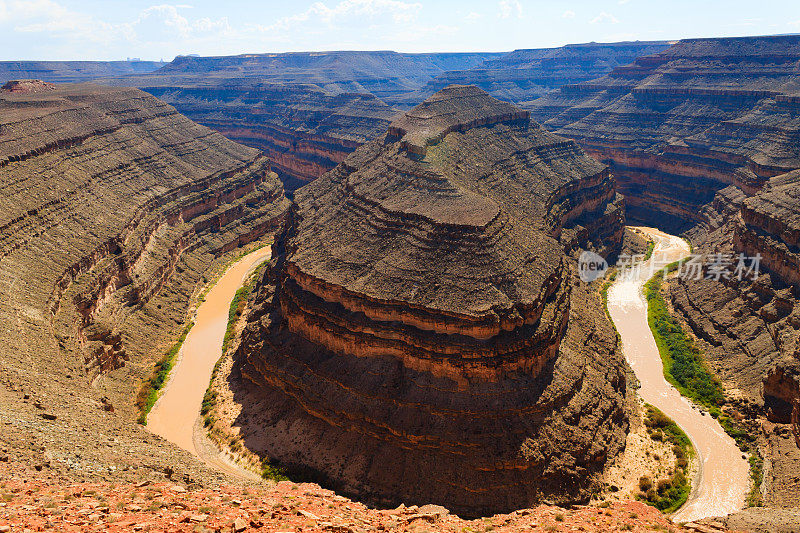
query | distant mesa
(422,335)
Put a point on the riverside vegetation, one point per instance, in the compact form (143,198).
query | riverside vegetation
(268,469)
(685,370)
(667,494)
(148,394)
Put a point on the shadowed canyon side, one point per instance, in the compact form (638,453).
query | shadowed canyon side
(114,207)
(678,126)
(422,335)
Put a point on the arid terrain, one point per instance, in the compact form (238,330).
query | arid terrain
(420,354)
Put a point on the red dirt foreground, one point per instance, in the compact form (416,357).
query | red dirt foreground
(34,501)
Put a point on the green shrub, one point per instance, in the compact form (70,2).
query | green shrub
(650,247)
(667,494)
(683,364)
(148,394)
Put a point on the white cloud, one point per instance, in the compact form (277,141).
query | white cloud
(397,10)
(166,29)
(795,23)
(166,18)
(568,14)
(622,2)
(508,7)
(473,16)
(604,17)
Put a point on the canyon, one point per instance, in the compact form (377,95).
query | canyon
(415,340)
(703,138)
(114,209)
(307,111)
(421,334)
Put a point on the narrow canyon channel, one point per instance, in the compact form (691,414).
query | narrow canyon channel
(176,412)
(723,479)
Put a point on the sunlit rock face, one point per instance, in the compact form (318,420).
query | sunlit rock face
(679,125)
(113,207)
(527,74)
(422,335)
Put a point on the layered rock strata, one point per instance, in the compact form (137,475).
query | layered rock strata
(74,71)
(679,125)
(304,130)
(422,337)
(524,75)
(113,208)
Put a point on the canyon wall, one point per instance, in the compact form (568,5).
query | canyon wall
(524,75)
(303,129)
(677,126)
(114,207)
(422,336)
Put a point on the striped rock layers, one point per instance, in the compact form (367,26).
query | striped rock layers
(422,335)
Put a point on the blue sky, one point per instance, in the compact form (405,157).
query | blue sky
(106,30)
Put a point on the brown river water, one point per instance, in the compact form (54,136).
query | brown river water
(723,478)
(174,415)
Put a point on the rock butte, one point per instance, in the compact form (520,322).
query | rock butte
(422,336)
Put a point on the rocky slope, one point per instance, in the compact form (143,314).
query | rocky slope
(679,125)
(418,340)
(114,207)
(304,130)
(524,75)
(73,71)
(33,502)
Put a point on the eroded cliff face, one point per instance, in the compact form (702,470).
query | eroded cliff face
(307,111)
(524,75)
(749,329)
(422,336)
(677,126)
(114,206)
(304,130)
